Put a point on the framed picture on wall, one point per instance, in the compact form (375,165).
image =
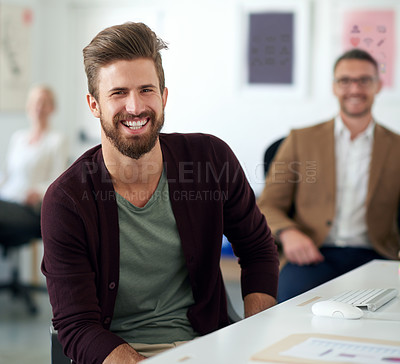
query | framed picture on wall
(275,47)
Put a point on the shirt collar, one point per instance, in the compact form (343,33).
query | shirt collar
(341,129)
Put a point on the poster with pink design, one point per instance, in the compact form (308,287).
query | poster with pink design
(374,32)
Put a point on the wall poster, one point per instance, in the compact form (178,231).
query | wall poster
(270,48)
(374,32)
(15,56)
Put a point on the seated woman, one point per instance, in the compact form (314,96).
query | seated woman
(36,156)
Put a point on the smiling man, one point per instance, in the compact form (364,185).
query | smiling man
(342,180)
(132,231)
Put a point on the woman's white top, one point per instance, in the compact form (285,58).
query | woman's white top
(32,166)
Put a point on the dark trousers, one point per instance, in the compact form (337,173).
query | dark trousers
(18,223)
(295,279)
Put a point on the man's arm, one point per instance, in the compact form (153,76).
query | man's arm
(70,262)
(251,239)
(257,302)
(123,354)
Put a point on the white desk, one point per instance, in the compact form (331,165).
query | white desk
(238,342)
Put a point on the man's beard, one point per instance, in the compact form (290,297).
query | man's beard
(356,114)
(347,111)
(136,146)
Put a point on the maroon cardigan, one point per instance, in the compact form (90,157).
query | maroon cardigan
(210,196)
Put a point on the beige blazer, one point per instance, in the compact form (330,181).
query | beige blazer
(303,174)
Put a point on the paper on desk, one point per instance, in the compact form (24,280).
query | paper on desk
(319,348)
(344,351)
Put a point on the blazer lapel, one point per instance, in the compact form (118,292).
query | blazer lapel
(326,141)
(380,150)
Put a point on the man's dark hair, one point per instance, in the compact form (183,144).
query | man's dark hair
(127,41)
(358,54)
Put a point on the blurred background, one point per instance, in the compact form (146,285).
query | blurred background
(213,49)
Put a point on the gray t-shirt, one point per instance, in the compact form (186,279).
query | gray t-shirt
(154,290)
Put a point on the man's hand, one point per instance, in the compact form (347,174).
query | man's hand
(299,248)
(123,354)
(257,302)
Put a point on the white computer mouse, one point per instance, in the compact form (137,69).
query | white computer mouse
(336,309)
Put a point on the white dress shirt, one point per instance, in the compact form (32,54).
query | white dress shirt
(32,166)
(353,158)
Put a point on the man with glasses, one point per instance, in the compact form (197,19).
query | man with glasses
(332,194)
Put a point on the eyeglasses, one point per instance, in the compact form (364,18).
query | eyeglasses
(362,82)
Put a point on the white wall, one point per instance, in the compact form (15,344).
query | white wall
(203,70)
(49,64)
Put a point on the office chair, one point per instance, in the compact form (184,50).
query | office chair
(398,221)
(232,314)
(270,154)
(57,353)
(15,285)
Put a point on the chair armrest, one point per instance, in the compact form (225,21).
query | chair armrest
(57,354)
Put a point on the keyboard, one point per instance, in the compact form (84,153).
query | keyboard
(371,299)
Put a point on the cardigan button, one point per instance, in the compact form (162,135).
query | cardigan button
(111,286)
(107,320)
